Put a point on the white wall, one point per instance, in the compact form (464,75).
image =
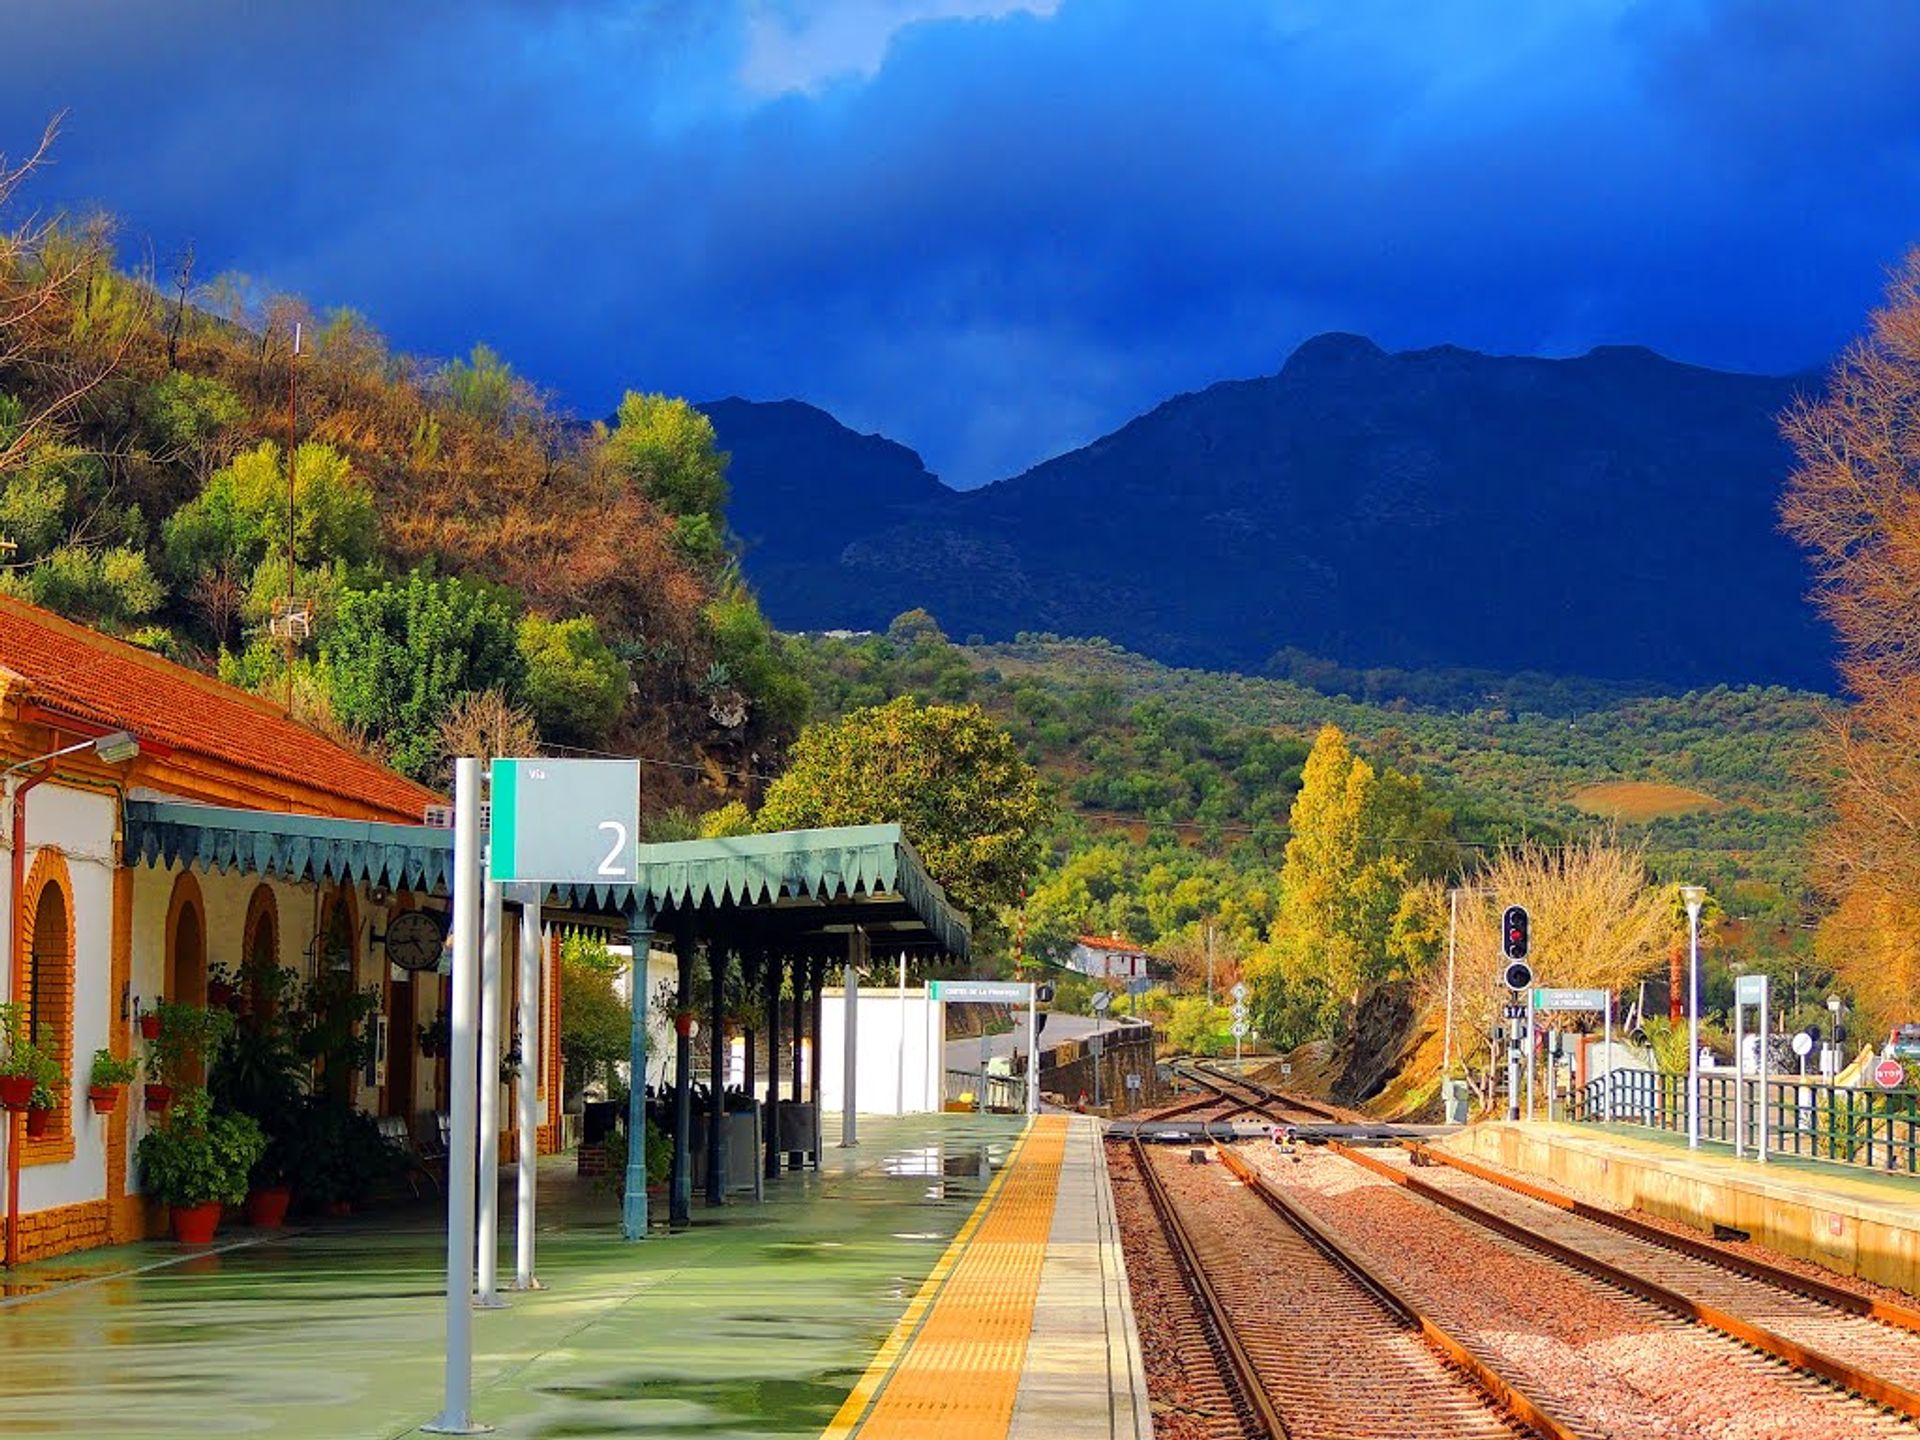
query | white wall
(879,1088)
(82,823)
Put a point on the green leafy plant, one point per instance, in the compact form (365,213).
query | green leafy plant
(261,1071)
(109,1069)
(190,1040)
(43,1098)
(197,1157)
(17,1057)
(336,1153)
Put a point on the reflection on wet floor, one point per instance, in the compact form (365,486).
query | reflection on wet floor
(756,1322)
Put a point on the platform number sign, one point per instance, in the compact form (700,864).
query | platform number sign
(565,822)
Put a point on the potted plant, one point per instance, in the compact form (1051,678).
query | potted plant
(436,1036)
(149,1024)
(261,1073)
(109,1073)
(40,1110)
(223,988)
(190,1037)
(198,1161)
(19,1063)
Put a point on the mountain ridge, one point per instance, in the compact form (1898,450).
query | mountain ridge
(1611,514)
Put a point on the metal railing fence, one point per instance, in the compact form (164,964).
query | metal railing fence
(1877,1129)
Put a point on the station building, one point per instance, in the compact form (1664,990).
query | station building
(234,835)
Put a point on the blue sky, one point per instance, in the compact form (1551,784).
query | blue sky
(993,229)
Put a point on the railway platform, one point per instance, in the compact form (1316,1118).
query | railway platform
(1024,1329)
(1847,1218)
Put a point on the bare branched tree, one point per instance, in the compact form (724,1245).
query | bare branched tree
(66,319)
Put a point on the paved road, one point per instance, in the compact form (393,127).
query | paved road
(965,1054)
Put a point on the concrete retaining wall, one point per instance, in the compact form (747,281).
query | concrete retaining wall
(1848,1224)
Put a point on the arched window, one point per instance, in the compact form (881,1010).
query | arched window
(44,988)
(186,943)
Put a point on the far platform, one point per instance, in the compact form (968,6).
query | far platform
(1848,1218)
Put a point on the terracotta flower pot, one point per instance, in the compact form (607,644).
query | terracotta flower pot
(196,1224)
(39,1121)
(267,1206)
(104,1098)
(149,1027)
(159,1097)
(16,1091)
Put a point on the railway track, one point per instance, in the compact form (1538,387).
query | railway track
(1263,1101)
(1314,1344)
(1798,1338)
(1850,1341)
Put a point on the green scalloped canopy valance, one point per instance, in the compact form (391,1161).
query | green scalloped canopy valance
(762,875)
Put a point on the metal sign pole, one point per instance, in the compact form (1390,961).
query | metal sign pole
(900,1023)
(1446,1044)
(1764,999)
(455,1417)
(1739,1078)
(1033,1051)
(532,953)
(1607,1079)
(1529,1054)
(489,1080)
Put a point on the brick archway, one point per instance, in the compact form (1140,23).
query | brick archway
(185,980)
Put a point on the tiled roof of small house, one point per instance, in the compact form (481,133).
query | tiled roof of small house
(70,670)
(1111,942)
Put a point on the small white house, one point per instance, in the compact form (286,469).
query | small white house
(1109,958)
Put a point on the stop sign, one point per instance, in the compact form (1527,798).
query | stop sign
(1888,1073)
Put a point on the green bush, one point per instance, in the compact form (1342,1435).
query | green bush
(196,1157)
(576,684)
(109,1069)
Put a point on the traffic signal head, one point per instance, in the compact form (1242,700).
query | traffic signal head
(1519,975)
(1516,933)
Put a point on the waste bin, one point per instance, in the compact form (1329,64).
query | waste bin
(1455,1096)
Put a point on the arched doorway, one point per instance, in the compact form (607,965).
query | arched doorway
(260,951)
(336,981)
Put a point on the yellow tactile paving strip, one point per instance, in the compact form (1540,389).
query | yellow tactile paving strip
(951,1367)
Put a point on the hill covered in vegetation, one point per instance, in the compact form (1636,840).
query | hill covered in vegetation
(470,566)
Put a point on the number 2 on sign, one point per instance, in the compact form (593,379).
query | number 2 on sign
(614,864)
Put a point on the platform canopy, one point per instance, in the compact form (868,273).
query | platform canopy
(790,890)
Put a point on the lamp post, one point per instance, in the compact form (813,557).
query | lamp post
(1693,896)
(1832,1049)
(113,749)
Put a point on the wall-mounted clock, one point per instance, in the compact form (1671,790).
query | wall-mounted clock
(414,939)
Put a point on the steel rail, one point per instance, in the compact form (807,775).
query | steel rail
(1882,1391)
(1219,1083)
(1489,1380)
(1811,1287)
(1246,1373)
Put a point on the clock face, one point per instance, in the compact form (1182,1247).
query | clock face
(414,939)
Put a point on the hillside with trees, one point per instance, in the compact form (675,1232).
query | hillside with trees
(471,568)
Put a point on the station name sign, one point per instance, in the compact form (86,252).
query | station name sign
(982,992)
(1556,1000)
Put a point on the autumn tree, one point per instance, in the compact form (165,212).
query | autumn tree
(1597,923)
(1854,502)
(1359,840)
(970,804)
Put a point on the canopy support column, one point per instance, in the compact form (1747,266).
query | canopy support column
(796,1158)
(680,1200)
(771,977)
(817,973)
(719,958)
(633,1207)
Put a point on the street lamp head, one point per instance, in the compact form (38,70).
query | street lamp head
(1833,1003)
(117,747)
(1693,897)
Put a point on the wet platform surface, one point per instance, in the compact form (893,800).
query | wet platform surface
(756,1322)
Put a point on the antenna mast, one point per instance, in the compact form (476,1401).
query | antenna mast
(293,621)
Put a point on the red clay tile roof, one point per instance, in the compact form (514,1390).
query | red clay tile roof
(1107,942)
(92,677)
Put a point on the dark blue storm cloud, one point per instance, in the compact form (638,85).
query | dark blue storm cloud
(995,229)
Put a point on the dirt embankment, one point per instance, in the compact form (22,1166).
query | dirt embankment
(1389,1065)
